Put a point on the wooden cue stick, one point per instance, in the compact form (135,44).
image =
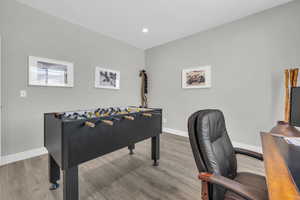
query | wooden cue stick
(293,83)
(293,73)
(295,77)
(291,77)
(286,100)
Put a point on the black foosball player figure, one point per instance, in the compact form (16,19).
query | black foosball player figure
(119,110)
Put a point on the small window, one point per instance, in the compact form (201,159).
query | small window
(46,72)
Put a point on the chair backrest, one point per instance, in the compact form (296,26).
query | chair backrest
(211,146)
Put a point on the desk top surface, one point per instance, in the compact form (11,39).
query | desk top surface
(281,184)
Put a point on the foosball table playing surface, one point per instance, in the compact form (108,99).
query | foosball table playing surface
(75,137)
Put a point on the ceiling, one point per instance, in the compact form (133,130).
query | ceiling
(166,20)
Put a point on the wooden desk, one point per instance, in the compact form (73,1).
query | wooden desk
(281,185)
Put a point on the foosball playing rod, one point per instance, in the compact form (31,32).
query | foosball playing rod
(111,123)
(93,125)
(154,113)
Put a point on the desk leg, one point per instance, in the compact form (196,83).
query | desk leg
(155,149)
(131,148)
(71,184)
(54,173)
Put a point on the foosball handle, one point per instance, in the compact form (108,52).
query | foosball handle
(129,117)
(147,114)
(108,122)
(90,124)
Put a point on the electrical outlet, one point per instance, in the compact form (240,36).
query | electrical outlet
(23,94)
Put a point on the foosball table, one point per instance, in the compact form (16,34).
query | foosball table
(72,138)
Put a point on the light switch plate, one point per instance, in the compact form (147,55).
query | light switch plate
(23,94)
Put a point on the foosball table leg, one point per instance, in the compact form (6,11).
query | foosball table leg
(70,191)
(54,173)
(131,148)
(155,149)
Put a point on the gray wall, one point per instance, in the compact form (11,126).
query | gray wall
(26,31)
(247,59)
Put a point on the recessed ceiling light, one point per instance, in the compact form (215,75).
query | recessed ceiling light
(145,30)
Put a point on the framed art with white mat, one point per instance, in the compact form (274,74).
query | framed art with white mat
(197,77)
(107,78)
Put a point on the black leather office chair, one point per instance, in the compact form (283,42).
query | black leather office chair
(216,160)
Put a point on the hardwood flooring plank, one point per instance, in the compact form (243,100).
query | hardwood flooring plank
(118,175)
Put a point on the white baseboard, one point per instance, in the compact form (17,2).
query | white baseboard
(175,132)
(22,156)
(247,146)
(41,151)
(235,144)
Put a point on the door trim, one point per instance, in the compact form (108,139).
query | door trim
(0,100)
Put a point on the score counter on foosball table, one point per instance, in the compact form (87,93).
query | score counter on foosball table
(72,138)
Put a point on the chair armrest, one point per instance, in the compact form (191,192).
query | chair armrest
(246,152)
(229,184)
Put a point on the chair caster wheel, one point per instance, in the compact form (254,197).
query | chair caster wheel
(54,186)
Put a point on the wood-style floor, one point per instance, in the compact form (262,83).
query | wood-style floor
(118,176)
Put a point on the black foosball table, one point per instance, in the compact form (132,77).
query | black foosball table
(72,138)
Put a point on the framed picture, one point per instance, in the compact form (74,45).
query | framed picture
(49,72)
(198,77)
(106,78)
